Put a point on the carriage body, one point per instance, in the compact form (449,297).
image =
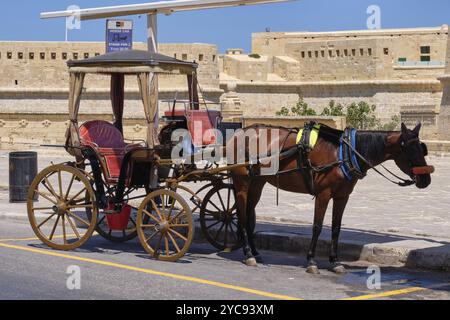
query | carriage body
(95,192)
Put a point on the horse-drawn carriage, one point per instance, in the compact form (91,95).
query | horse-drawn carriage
(94,192)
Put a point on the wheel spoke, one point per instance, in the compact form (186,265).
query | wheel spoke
(54,228)
(170,211)
(225,240)
(166,242)
(150,215)
(228,199)
(158,245)
(214,205)
(45,196)
(49,187)
(219,231)
(178,234)
(76,196)
(214,224)
(78,218)
(174,242)
(144,226)
(74,228)
(81,206)
(179,225)
(42,208)
(156,209)
(70,187)
(60,185)
(152,236)
(178,214)
(63,222)
(221,201)
(43,222)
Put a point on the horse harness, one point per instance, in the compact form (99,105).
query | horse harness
(349,159)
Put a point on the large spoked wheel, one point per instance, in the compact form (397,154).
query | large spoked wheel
(165,225)
(219,219)
(58,219)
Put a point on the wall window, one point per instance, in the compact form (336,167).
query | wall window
(64,55)
(214,58)
(20,55)
(330,53)
(303,54)
(361,52)
(316,53)
(42,55)
(386,51)
(97,54)
(402,59)
(353,52)
(53,55)
(31,55)
(425,53)
(184,56)
(309,54)
(322,53)
(345,52)
(9,55)
(75,56)
(86,55)
(369,51)
(201,57)
(338,53)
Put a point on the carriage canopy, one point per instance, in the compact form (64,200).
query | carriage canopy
(144,65)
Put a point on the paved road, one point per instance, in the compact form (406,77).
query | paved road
(30,270)
(376,205)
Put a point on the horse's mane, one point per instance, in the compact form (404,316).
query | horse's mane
(371,144)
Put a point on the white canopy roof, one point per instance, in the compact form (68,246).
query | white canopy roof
(165,7)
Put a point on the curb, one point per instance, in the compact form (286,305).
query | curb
(414,254)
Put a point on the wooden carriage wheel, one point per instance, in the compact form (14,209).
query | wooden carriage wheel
(219,219)
(58,219)
(165,225)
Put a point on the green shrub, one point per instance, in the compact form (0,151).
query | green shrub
(300,109)
(254,55)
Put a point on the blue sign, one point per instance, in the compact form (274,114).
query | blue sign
(119,35)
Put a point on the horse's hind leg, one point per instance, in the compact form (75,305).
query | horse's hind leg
(242,186)
(320,209)
(254,196)
(338,211)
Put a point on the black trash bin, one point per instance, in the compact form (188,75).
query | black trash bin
(22,171)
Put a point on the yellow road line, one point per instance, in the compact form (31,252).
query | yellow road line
(387,293)
(153,272)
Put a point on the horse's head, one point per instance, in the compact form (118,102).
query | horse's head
(411,157)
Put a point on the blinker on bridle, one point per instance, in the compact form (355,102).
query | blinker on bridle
(418,170)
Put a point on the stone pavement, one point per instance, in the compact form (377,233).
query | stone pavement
(383,223)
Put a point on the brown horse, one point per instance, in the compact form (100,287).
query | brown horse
(372,149)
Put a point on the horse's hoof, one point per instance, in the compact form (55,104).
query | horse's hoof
(312,269)
(259,259)
(339,269)
(251,262)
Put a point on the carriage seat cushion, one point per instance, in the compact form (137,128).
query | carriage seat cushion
(108,142)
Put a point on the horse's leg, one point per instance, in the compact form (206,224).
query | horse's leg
(320,209)
(242,185)
(254,196)
(338,211)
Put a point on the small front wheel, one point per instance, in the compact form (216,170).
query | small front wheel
(165,225)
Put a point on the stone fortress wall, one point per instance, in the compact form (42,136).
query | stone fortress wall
(397,70)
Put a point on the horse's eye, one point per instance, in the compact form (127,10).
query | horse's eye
(424,149)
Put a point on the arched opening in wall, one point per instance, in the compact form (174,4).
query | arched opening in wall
(53,55)
(201,57)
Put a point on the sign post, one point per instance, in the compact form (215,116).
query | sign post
(119,35)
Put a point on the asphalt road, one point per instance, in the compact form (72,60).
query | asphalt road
(30,270)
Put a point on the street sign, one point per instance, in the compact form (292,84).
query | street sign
(119,35)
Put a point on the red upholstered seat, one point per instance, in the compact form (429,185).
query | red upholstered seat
(200,123)
(109,144)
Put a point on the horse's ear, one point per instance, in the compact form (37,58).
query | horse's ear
(404,128)
(417,128)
